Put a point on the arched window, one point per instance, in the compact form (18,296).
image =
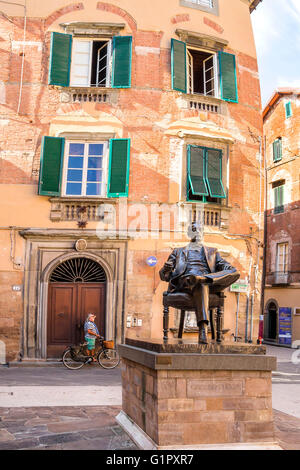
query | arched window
(77,270)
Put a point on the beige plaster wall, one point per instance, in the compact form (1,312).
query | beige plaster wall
(155,15)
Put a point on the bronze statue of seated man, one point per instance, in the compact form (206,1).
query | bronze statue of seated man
(193,269)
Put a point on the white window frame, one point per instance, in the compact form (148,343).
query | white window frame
(108,63)
(285,256)
(190,75)
(202,3)
(85,169)
(210,6)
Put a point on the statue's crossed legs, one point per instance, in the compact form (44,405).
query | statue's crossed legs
(198,288)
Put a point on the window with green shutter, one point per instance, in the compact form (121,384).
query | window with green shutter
(204,174)
(277,150)
(228,78)
(178,65)
(60,59)
(119,164)
(51,166)
(79,168)
(214,173)
(203,72)
(90,63)
(196,171)
(278,188)
(288,110)
(122,52)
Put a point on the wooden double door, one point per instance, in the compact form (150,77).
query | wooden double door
(68,306)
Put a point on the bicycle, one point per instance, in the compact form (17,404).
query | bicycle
(75,357)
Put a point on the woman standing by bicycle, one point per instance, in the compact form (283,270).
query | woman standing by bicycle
(90,334)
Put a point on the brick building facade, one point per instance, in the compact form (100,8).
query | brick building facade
(282,270)
(114,114)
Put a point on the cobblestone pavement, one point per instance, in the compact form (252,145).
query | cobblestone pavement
(287,430)
(62,428)
(93,428)
(59,376)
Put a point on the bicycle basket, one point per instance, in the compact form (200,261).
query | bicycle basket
(109,344)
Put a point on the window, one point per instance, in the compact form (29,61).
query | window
(277,150)
(202,72)
(90,63)
(288,110)
(210,6)
(84,169)
(205,3)
(282,258)
(278,188)
(196,70)
(204,174)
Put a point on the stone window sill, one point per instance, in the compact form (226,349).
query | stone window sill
(88,94)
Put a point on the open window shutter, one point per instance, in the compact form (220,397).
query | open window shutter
(119,164)
(275,158)
(60,59)
(51,166)
(122,52)
(277,150)
(214,173)
(196,173)
(288,109)
(81,68)
(178,65)
(228,79)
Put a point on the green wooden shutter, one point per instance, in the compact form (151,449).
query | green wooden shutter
(214,173)
(122,52)
(279,199)
(288,110)
(277,150)
(178,65)
(51,166)
(228,79)
(119,164)
(60,59)
(196,171)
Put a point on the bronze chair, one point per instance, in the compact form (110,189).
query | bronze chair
(184,301)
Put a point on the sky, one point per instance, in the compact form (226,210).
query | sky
(276,26)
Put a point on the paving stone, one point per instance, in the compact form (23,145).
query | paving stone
(287,430)
(37,431)
(60,438)
(96,444)
(19,444)
(5,436)
(100,432)
(81,424)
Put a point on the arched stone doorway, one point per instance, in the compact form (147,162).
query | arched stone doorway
(77,287)
(272,321)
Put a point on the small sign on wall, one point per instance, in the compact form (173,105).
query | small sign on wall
(151,261)
(241,287)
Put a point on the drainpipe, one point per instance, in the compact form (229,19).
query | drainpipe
(263,280)
(237,316)
(251,318)
(247,319)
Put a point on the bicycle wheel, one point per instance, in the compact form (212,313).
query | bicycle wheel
(70,362)
(108,358)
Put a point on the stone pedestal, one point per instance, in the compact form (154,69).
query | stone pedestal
(181,395)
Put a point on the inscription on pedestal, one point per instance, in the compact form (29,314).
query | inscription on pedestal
(205,388)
